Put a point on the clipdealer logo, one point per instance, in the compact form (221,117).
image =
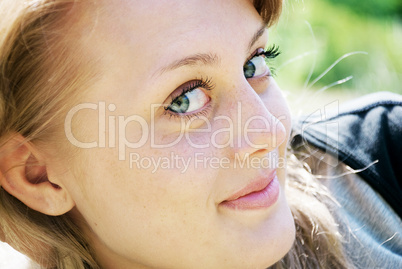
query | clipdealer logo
(114,127)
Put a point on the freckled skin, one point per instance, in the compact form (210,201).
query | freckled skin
(137,218)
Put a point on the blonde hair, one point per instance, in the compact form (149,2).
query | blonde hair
(39,75)
(318,243)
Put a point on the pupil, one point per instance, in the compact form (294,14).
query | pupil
(249,69)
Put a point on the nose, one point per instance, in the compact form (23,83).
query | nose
(256,130)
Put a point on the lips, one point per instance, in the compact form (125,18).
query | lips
(259,194)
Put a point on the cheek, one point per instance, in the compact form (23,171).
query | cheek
(145,183)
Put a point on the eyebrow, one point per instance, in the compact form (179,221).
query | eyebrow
(202,58)
(205,58)
(256,36)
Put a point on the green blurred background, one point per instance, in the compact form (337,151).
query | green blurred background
(313,34)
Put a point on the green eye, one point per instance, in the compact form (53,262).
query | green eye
(189,101)
(255,67)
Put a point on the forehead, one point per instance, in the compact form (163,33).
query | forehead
(161,24)
(153,17)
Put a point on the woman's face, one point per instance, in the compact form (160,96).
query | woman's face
(182,138)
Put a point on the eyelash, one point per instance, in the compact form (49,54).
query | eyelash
(271,53)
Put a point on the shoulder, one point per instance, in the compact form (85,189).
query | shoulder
(365,134)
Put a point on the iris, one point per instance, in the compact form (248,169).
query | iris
(249,69)
(180,104)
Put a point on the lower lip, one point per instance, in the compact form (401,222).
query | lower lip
(257,200)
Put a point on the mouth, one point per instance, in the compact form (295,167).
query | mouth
(260,194)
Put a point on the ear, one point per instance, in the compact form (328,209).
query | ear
(23,174)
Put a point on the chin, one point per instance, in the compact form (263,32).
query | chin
(271,241)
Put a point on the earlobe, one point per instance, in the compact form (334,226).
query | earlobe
(23,174)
